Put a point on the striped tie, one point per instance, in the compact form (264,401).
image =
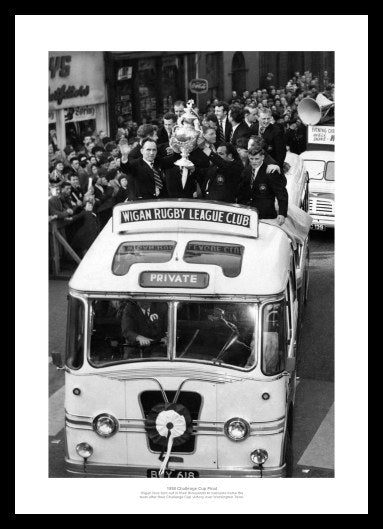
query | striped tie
(220,130)
(252,176)
(231,134)
(157,178)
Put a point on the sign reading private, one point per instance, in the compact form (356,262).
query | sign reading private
(174,279)
(321,134)
(171,215)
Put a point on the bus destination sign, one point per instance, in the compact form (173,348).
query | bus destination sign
(170,215)
(174,279)
(174,213)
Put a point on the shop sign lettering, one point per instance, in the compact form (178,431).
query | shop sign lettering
(64,92)
(60,65)
(80,113)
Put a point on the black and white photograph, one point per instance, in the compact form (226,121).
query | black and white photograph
(191,327)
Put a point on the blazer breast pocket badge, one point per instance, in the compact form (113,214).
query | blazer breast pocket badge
(262,188)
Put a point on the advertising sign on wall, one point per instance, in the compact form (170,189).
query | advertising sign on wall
(76,79)
(73,114)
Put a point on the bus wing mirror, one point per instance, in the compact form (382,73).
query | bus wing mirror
(290,364)
(57,360)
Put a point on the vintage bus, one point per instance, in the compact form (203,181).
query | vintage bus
(210,390)
(320,165)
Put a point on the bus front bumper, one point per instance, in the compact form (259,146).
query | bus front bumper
(123,471)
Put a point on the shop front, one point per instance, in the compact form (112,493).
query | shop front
(143,86)
(77,96)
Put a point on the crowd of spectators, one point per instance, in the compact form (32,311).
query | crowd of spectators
(86,178)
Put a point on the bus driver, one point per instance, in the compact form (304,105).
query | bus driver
(143,323)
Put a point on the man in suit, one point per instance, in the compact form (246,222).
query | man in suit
(143,173)
(165,133)
(141,323)
(179,108)
(272,136)
(222,178)
(238,127)
(259,189)
(221,110)
(80,172)
(178,185)
(251,118)
(144,131)
(87,230)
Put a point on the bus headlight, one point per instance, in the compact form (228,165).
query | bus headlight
(237,429)
(105,425)
(84,450)
(259,456)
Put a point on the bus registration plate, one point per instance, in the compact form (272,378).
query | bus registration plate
(154,473)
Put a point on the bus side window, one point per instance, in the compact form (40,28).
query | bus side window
(75,333)
(274,338)
(293,280)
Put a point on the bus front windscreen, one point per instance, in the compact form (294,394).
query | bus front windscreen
(217,333)
(315,169)
(134,330)
(127,330)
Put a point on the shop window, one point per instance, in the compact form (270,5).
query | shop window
(76,132)
(213,73)
(147,79)
(124,73)
(169,80)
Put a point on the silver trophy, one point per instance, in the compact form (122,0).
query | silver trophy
(187,135)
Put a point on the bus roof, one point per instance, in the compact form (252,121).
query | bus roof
(318,155)
(264,269)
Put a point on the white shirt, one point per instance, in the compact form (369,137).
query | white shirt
(149,163)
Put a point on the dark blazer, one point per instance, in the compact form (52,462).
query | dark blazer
(135,153)
(276,145)
(122,194)
(221,179)
(163,136)
(252,130)
(264,191)
(241,131)
(134,322)
(197,157)
(87,231)
(227,131)
(143,179)
(173,179)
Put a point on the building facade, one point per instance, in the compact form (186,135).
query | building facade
(77,95)
(93,91)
